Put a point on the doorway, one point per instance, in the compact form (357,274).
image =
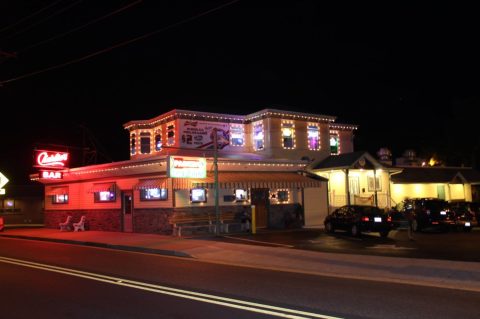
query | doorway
(127,211)
(260,198)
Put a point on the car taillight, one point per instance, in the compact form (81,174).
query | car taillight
(365,219)
(389,219)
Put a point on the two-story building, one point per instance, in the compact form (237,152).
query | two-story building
(259,159)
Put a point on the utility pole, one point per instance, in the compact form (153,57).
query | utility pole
(215,174)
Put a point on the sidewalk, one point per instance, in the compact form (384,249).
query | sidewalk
(424,272)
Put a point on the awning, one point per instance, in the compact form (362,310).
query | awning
(52,191)
(151,183)
(230,180)
(103,187)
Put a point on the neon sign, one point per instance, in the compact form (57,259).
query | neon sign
(187,167)
(51,175)
(51,159)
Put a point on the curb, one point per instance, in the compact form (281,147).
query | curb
(163,252)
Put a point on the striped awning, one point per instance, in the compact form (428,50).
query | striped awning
(103,187)
(60,190)
(151,183)
(230,180)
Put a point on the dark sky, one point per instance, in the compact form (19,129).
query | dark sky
(408,76)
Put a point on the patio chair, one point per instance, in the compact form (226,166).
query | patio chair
(80,225)
(67,224)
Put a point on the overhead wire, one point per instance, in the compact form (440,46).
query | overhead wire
(29,16)
(54,14)
(61,35)
(121,44)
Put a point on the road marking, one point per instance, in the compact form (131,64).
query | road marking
(258,241)
(186,294)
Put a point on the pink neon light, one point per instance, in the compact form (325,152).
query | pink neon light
(57,159)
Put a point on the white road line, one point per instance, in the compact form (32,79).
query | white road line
(192,295)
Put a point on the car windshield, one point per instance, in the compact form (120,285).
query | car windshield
(435,205)
(369,210)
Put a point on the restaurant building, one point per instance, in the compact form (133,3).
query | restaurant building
(260,159)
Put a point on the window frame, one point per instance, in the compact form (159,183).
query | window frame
(143,191)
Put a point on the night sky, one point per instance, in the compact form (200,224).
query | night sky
(408,76)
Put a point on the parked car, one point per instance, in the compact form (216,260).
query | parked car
(357,219)
(467,214)
(427,213)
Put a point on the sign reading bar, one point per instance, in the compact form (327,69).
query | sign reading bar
(187,167)
(51,159)
(51,175)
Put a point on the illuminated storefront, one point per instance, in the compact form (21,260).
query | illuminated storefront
(262,159)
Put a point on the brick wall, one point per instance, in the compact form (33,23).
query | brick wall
(97,219)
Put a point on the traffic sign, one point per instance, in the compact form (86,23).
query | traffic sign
(3,180)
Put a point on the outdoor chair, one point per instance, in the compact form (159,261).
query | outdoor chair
(80,225)
(66,225)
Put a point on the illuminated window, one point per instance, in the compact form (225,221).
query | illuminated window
(132,145)
(288,135)
(145,143)
(9,203)
(374,184)
(198,195)
(170,134)
(258,136)
(105,196)
(313,135)
(282,195)
(60,199)
(237,135)
(241,194)
(158,141)
(334,144)
(153,194)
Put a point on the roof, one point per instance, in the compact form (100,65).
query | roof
(251,180)
(353,160)
(452,175)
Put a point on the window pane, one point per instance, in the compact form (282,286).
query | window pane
(334,144)
(288,132)
(313,137)
(145,143)
(158,142)
(237,135)
(132,145)
(198,195)
(258,136)
(153,194)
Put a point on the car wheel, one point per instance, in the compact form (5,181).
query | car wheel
(329,227)
(384,233)
(355,231)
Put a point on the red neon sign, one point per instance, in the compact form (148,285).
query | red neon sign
(51,159)
(51,174)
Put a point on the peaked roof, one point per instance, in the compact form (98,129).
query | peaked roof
(452,175)
(354,160)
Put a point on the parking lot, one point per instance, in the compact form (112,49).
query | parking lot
(450,245)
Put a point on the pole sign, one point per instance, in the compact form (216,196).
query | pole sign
(51,159)
(187,167)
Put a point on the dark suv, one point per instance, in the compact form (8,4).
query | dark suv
(467,214)
(427,213)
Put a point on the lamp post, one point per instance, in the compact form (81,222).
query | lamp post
(215,174)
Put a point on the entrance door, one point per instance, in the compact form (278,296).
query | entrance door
(261,201)
(441,191)
(127,211)
(353,188)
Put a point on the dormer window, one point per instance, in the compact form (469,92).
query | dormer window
(288,135)
(133,150)
(145,143)
(258,136)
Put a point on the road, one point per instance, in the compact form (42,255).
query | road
(457,246)
(120,284)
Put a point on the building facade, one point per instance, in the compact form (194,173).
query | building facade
(260,159)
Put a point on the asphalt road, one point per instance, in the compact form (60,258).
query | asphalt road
(453,245)
(139,286)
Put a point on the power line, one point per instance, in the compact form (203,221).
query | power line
(80,27)
(118,45)
(29,16)
(54,14)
